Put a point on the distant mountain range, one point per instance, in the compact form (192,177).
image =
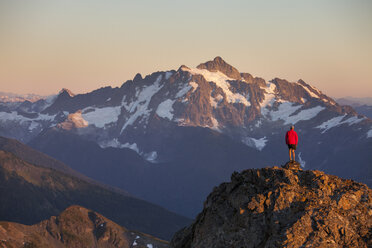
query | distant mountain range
(354,101)
(361,105)
(14,98)
(171,136)
(33,192)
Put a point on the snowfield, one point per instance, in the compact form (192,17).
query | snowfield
(99,117)
(369,134)
(337,121)
(259,144)
(31,123)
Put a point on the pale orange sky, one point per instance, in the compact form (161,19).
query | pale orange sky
(47,45)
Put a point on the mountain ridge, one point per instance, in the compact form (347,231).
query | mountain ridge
(153,114)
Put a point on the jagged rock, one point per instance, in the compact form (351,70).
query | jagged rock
(137,78)
(277,207)
(218,64)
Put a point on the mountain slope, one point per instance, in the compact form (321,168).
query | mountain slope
(31,193)
(74,227)
(33,156)
(275,207)
(166,183)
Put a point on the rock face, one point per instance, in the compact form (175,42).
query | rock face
(75,227)
(278,207)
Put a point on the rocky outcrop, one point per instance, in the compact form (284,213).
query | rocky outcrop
(283,207)
(75,227)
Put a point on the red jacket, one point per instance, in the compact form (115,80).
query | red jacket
(291,138)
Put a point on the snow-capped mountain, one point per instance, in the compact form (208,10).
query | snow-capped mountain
(156,115)
(13,98)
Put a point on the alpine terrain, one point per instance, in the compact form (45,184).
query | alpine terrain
(171,136)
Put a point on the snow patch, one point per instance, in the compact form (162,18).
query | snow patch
(151,156)
(140,106)
(194,86)
(99,117)
(259,144)
(312,94)
(369,134)
(133,147)
(215,124)
(258,123)
(165,109)
(329,101)
(269,97)
(168,74)
(337,121)
(116,144)
(149,246)
(183,91)
(33,125)
(301,161)
(285,109)
(22,120)
(221,80)
(215,100)
(304,115)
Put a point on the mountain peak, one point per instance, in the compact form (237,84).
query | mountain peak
(137,78)
(66,92)
(282,207)
(218,64)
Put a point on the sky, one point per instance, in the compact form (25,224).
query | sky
(47,45)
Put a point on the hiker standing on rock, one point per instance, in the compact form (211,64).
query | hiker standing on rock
(291,139)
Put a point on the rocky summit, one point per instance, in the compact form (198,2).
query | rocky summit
(283,207)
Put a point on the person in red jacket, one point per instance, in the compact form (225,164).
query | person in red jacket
(291,139)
